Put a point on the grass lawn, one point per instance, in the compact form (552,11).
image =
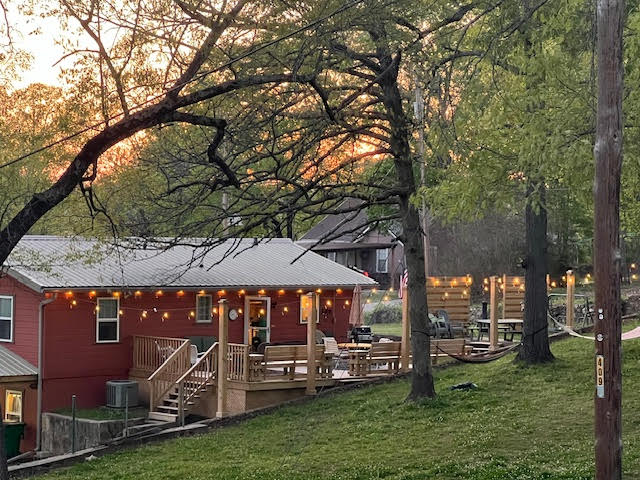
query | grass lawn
(520,424)
(387,328)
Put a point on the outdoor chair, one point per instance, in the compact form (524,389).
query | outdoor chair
(454,329)
(164,352)
(440,327)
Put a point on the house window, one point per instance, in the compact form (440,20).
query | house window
(13,406)
(305,308)
(382,260)
(331,256)
(6,319)
(203,309)
(108,320)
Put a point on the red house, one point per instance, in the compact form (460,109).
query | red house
(69,310)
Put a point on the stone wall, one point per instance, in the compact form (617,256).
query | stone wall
(56,432)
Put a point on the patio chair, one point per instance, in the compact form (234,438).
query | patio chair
(440,327)
(164,352)
(454,329)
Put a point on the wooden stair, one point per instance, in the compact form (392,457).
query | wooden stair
(193,382)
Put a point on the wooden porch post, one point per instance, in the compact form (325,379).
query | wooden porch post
(493,315)
(311,345)
(571,288)
(223,342)
(404,352)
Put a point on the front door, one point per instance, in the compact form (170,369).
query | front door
(257,320)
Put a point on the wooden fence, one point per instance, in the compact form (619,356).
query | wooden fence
(452,294)
(512,296)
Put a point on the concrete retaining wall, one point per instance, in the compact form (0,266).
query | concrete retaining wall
(56,432)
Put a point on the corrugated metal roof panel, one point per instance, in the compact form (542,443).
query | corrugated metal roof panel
(57,262)
(13,365)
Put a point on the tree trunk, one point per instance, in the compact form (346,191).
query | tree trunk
(608,157)
(535,339)
(422,375)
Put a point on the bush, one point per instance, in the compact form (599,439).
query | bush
(384,314)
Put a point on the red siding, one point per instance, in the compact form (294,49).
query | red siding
(75,364)
(25,321)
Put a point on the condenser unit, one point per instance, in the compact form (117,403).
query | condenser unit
(121,393)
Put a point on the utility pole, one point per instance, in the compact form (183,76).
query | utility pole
(607,258)
(418,108)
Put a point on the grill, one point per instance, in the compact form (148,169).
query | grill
(361,334)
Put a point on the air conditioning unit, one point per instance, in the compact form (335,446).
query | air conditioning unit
(121,393)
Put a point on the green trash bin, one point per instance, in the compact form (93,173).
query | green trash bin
(13,433)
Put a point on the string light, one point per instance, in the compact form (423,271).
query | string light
(262,291)
(137,293)
(221,293)
(281,292)
(241,292)
(192,314)
(319,290)
(240,311)
(158,293)
(180,293)
(328,303)
(201,292)
(115,294)
(68,294)
(144,314)
(165,315)
(74,303)
(339,291)
(299,290)
(120,312)
(347,302)
(92,293)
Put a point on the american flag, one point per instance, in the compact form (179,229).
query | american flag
(404,280)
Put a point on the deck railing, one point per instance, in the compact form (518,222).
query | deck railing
(201,374)
(151,352)
(165,377)
(238,362)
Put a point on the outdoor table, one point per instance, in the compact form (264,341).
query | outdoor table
(506,325)
(358,362)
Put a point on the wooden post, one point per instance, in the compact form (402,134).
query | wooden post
(311,345)
(571,288)
(223,346)
(504,295)
(606,246)
(404,349)
(493,313)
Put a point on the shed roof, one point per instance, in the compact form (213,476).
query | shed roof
(13,365)
(48,262)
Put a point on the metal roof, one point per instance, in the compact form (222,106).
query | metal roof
(48,262)
(13,365)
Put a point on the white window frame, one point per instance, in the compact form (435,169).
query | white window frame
(332,256)
(208,318)
(6,403)
(13,306)
(105,320)
(386,260)
(303,320)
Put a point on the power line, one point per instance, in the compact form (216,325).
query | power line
(198,77)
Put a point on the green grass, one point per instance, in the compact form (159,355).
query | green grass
(520,424)
(104,413)
(387,328)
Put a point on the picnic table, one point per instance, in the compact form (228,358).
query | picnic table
(506,326)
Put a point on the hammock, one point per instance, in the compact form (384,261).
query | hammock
(481,357)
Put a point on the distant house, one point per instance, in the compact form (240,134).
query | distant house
(76,320)
(350,240)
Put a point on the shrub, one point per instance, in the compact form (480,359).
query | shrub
(384,314)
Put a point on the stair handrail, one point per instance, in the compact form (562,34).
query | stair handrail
(163,379)
(195,382)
